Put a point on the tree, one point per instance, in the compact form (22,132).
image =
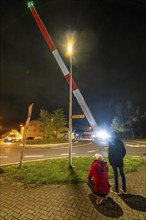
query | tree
(46,125)
(58,121)
(117,125)
(52,124)
(128,118)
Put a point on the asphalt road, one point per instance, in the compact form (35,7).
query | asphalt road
(10,153)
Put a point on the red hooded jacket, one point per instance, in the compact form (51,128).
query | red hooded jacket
(99,171)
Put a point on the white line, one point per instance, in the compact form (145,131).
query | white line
(34,156)
(56,148)
(66,154)
(43,145)
(135,145)
(86,144)
(90,151)
(3,156)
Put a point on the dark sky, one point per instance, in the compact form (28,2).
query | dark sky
(109,64)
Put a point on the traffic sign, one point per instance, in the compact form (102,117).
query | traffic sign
(78,116)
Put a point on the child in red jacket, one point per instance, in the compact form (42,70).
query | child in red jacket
(99,172)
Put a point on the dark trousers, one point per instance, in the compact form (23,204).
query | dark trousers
(121,169)
(91,186)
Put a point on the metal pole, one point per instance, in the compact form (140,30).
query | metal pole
(70,115)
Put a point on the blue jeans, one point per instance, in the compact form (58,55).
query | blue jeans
(121,169)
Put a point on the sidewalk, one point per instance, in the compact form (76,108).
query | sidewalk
(74,201)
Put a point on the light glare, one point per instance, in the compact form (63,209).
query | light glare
(69,49)
(30,4)
(103,135)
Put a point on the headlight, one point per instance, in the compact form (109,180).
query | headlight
(9,138)
(104,135)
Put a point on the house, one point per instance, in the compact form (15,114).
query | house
(34,129)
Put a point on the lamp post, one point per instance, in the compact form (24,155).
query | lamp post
(70,105)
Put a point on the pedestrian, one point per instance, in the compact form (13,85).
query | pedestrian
(116,154)
(98,178)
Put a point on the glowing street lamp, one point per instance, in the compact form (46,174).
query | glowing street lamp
(70,53)
(69,49)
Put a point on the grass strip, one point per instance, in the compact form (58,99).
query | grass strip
(56,171)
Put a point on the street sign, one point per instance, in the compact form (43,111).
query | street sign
(78,116)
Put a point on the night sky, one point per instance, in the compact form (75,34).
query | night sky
(109,63)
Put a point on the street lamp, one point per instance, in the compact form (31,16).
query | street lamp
(70,53)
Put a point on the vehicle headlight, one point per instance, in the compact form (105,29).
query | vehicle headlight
(104,135)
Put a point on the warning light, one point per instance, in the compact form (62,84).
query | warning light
(30,4)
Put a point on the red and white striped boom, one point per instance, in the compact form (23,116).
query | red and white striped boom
(62,66)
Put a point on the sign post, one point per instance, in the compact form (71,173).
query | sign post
(25,131)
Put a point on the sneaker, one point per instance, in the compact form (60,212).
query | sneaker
(99,200)
(123,191)
(115,191)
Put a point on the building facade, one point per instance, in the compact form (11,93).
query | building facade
(34,129)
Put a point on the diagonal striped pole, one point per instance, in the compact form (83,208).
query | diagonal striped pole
(62,66)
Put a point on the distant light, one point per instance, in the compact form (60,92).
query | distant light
(93,135)
(104,135)
(30,4)
(9,138)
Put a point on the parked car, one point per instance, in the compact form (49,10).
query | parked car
(12,138)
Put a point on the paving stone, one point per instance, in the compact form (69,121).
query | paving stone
(72,202)
(142,216)
(2,214)
(16,215)
(82,217)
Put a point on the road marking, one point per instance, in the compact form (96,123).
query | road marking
(42,145)
(56,148)
(85,144)
(34,156)
(66,154)
(135,145)
(3,157)
(90,151)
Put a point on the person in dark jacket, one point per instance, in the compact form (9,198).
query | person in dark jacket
(99,173)
(116,154)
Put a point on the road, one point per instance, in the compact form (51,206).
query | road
(10,153)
